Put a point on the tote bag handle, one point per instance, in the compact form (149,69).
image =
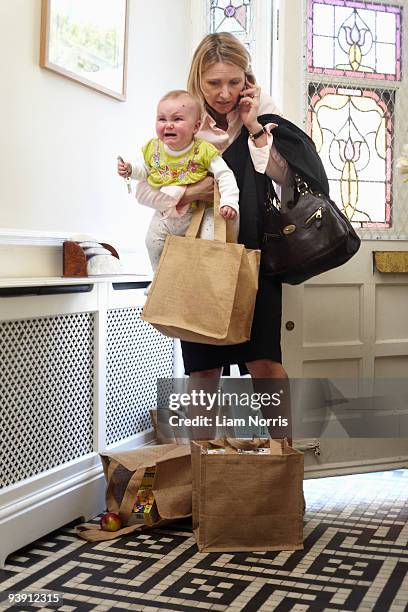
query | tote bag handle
(220,224)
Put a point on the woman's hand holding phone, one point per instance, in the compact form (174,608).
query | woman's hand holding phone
(248,106)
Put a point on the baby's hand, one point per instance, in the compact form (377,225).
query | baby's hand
(228,212)
(124,168)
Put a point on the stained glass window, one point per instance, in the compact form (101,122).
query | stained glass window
(352,130)
(354,38)
(231,16)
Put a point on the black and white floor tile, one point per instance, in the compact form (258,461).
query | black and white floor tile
(355,558)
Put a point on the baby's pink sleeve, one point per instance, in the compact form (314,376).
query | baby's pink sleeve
(164,199)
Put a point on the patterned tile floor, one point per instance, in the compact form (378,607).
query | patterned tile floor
(355,558)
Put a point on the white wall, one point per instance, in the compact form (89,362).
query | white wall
(287,69)
(60,139)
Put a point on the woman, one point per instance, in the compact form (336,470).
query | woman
(221,77)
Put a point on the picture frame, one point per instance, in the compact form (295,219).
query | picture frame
(87,42)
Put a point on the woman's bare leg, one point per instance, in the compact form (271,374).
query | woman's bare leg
(207,381)
(214,374)
(265,369)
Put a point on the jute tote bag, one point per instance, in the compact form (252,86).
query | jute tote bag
(124,472)
(204,290)
(247,502)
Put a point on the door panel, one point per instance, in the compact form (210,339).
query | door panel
(324,323)
(351,324)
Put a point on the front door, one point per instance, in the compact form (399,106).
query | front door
(350,323)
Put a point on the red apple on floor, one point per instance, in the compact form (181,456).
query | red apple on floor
(111,521)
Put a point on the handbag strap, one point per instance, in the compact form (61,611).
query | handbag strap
(220,224)
(301,186)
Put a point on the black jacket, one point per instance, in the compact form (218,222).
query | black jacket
(296,148)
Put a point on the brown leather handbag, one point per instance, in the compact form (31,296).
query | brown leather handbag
(304,237)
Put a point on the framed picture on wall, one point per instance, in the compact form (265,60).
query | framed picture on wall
(86,40)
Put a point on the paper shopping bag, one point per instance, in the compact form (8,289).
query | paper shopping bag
(204,290)
(247,495)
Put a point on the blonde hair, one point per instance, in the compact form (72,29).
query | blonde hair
(178,93)
(222,47)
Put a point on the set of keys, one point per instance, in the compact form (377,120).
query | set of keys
(126,178)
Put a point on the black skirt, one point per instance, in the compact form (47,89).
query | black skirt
(265,341)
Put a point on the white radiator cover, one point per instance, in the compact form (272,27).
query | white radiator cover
(78,375)
(137,355)
(46,400)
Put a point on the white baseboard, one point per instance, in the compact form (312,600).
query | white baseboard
(27,518)
(356,467)
(37,506)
